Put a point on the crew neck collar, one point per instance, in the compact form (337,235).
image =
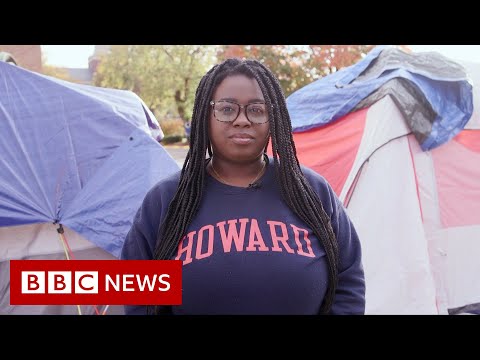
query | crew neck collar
(264,180)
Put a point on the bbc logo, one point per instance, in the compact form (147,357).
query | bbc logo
(59,282)
(86,282)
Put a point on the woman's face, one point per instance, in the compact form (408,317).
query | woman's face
(239,140)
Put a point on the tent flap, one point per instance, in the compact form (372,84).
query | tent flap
(442,83)
(75,154)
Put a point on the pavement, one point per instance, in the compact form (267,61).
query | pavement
(178,152)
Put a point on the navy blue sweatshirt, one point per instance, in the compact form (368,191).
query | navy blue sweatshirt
(246,252)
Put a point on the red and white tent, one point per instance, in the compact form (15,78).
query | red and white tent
(417,212)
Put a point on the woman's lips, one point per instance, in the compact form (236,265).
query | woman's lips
(242,139)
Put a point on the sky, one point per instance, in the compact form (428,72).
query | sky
(72,56)
(76,56)
(469,53)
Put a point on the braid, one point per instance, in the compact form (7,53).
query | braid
(294,187)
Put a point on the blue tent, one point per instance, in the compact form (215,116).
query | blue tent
(76,155)
(433,93)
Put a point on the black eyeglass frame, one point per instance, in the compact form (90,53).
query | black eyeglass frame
(212,103)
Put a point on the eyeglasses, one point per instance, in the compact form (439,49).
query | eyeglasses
(228,111)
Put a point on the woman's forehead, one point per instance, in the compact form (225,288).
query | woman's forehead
(238,86)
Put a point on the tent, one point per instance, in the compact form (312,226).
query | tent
(76,162)
(397,135)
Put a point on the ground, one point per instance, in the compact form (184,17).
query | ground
(178,152)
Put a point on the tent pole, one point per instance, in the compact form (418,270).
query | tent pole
(60,232)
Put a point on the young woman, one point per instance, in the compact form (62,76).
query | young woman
(256,234)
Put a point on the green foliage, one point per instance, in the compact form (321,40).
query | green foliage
(164,76)
(173,127)
(56,72)
(171,139)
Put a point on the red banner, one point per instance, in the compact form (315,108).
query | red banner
(91,282)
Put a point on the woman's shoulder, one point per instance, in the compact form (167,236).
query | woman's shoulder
(322,187)
(314,178)
(317,181)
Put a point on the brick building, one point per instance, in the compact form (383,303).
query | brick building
(30,57)
(85,75)
(26,56)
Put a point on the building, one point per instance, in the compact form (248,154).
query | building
(26,56)
(30,58)
(94,60)
(85,75)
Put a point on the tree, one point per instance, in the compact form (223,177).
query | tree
(54,71)
(331,58)
(165,76)
(57,72)
(298,65)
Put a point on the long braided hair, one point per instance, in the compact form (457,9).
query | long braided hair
(295,189)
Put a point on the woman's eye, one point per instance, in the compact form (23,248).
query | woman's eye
(257,110)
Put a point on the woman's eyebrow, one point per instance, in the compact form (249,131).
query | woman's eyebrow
(236,100)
